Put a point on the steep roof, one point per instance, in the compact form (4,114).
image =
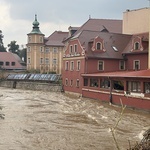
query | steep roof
(11,57)
(56,38)
(111,41)
(114,26)
(144,41)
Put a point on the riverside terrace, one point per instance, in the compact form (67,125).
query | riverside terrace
(49,78)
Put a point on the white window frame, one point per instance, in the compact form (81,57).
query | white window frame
(54,61)
(71,82)
(55,50)
(66,82)
(77,83)
(100,45)
(120,63)
(78,65)
(75,48)
(71,65)
(135,46)
(46,60)
(42,60)
(102,66)
(71,49)
(29,60)
(67,65)
(47,50)
(134,67)
(41,49)
(29,49)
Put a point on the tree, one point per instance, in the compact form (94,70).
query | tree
(23,54)
(13,47)
(2,48)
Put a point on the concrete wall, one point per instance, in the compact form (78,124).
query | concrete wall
(136,21)
(31,86)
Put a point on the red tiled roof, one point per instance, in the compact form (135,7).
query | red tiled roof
(110,40)
(123,74)
(56,38)
(11,57)
(114,26)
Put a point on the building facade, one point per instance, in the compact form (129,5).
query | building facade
(108,65)
(45,55)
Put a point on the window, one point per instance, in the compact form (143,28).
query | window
(71,65)
(29,39)
(29,60)
(66,82)
(1,63)
(93,82)
(104,83)
(46,50)
(41,61)
(71,49)
(71,82)
(100,65)
(136,45)
(46,60)
(122,65)
(77,83)
(29,49)
(41,49)
(54,61)
(7,63)
(75,48)
(134,86)
(98,46)
(66,65)
(41,39)
(55,49)
(85,82)
(78,65)
(136,65)
(13,63)
(147,87)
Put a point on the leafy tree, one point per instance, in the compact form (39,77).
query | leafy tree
(2,48)
(23,54)
(13,47)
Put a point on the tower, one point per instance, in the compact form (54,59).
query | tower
(35,48)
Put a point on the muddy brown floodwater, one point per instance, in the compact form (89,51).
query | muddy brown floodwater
(36,120)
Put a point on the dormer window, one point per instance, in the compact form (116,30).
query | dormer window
(99,46)
(136,46)
(71,49)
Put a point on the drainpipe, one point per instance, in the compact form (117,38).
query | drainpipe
(110,96)
(149,39)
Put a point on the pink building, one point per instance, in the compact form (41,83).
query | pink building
(102,63)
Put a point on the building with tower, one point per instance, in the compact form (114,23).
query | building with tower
(44,54)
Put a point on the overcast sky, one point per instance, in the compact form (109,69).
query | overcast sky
(17,16)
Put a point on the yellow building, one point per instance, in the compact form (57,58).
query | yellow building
(45,54)
(136,21)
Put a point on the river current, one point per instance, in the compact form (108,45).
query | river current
(36,120)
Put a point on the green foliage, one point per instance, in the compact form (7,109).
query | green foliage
(23,54)
(2,48)
(13,47)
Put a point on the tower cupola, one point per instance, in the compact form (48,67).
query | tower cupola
(35,29)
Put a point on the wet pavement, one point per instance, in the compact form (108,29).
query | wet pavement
(36,120)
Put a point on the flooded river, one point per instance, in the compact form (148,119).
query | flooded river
(36,120)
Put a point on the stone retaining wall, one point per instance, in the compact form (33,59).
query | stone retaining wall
(31,86)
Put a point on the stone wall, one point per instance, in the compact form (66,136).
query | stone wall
(31,86)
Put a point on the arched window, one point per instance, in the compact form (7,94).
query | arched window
(98,46)
(136,45)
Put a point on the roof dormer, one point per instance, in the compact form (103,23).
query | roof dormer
(98,45)
(137,44)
